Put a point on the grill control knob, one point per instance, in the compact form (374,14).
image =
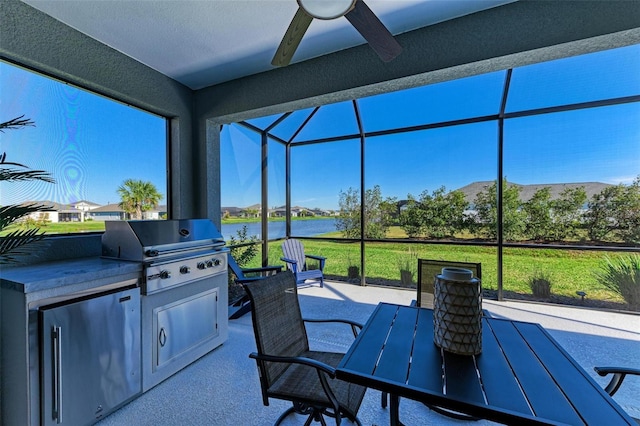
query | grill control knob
(185,269)
(209,263)
(216,262)
(202,265)
(165,275)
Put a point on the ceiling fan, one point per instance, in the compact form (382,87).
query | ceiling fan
(356,11)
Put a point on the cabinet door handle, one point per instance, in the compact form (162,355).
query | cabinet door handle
(162,338)
(56,340)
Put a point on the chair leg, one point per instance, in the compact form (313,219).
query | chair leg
(383,399)
(290,410)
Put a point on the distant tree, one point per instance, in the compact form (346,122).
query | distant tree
(486,205)
(376,219)
(251,212)
(599,219)
(444,212)
(348,220)
(411,218)
(13,244)
(628,213)
(137,196)
(390,212)
(538,223)
(567,213)
(614,213)
(436,215)
(553,220)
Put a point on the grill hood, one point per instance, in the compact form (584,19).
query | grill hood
(143,240)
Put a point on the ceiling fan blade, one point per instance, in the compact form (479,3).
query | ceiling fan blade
(374,31)
(291,39)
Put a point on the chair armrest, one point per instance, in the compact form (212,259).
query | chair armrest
(355,326)
(619,373)
(312,256)
(321,260)
(321,366)
(293,263)
(248,279)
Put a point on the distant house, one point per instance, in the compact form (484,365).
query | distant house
(115,212)
(320,212)
(155,214)
(56,212)
(254,210)
(49,213)
(296,211)
(108,212)
(82,207)
(472,190)
(231,212)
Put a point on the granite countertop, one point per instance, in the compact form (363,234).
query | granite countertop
(68,276)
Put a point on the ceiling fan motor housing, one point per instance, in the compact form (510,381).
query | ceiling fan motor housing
(327,9)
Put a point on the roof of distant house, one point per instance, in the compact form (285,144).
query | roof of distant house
(527,191)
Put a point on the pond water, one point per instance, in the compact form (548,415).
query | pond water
(300,228)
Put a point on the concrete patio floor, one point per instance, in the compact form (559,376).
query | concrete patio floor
(222,388)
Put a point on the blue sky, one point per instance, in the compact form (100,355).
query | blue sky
(590,145)
(91,144)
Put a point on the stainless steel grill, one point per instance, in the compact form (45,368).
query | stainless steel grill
(173,252)
(184,289)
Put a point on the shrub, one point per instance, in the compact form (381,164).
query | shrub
(622,276)
(540,285)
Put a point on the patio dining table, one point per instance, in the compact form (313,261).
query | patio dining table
(522,375)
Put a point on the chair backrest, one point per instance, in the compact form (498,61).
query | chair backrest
(235,268)
(277,321)
(427,271)
(294,250)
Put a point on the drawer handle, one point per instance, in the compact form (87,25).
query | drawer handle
(162,338)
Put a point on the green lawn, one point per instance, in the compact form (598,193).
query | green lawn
(64,227)
(569,270)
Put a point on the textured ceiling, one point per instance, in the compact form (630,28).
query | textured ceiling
(206,42)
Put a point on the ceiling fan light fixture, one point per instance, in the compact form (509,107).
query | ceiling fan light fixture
(327,9)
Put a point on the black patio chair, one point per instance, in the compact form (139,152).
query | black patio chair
(288,369)
(619,374)
(245,275)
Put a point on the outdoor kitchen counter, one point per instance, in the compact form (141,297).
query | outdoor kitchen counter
(67,277)
(23,290)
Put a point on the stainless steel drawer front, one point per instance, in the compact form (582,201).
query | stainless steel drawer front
(183,325)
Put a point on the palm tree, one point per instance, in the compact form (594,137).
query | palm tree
(13,244)
(137,197)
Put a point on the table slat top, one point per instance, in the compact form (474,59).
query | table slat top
(522,373)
